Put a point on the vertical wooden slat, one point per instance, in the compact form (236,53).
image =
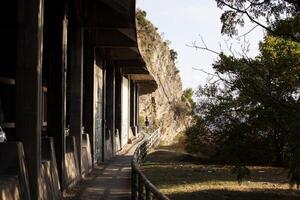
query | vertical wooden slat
(137,107)
(104,111)
(133,107)
(110,111)
(89,104)
(29,87)
(55,61)
(76,87)
(118,107)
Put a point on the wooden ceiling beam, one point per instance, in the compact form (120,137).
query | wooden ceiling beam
(115,54)
(134,71)
(100,14)
(111,38)
(136,63)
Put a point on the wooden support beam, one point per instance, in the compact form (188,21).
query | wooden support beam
(110,112)
(99,71)
(142,77)
(55,61)
(29,87)
(101,14)
(120,54)
(137,104)
(138,71)
(125,7)
(130,33)
(118,107)
(104,108)
(76,87)
(88,92)
(132,106)
(137,63)
(111,38)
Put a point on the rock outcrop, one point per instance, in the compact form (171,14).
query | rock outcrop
(167,107)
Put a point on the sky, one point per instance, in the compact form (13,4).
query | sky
(185,21)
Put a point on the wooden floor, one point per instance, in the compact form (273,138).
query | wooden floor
(111,181)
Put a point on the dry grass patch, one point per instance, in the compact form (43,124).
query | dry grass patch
(182,176)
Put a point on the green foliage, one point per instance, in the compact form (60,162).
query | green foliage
(173,54)
(288,28)
(181,110)
(141,17)
(241,172)
(253,109)
(141,121)
(199,139)
(272,10)
(188,93)
(294,174)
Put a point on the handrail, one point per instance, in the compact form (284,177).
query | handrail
(142,188)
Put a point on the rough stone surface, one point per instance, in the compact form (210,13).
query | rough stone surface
(166,108)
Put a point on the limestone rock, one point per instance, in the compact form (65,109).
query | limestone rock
(166,107)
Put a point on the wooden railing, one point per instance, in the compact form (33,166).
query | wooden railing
(142,188)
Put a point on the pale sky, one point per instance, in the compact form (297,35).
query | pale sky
(182,22)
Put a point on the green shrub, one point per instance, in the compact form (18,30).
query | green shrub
(198,139)
(181,110)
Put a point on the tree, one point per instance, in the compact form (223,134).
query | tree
(198,138)
(188,94)
(252,108)
(275,12)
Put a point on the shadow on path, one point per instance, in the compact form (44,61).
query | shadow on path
(182,176)
(109,181)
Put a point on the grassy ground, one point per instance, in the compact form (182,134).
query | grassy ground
(182,176)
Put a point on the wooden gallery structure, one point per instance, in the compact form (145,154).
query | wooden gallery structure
(66,65)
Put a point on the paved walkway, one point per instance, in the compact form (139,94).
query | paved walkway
(111,181)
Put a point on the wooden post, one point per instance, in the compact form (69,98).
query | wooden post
(118,107)
(88,100)
(29,87)
(137,105)
(132,107)
(55,61)
(76,87)
(104,109)
(110,112)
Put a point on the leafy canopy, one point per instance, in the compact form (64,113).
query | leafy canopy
(252,108)
(272,15)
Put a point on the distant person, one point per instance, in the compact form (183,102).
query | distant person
(146,122)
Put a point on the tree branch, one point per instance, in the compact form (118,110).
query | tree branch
(204,47)
(249,31)
(257,22)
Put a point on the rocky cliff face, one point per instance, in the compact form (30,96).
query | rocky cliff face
(166,108)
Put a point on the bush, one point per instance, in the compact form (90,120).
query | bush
(141,17)
(181,110)
(198,139)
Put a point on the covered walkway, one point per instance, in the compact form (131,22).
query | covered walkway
(111,180)
(71,74)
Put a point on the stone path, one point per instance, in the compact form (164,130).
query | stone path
(111,181)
